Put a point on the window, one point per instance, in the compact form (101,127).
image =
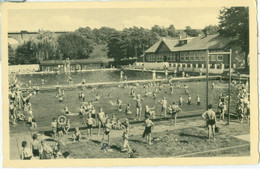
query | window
(191,54)
(213,57)
(220,57)
(173,57)
(202,55)
(186,56)
(196,55)
(182,56)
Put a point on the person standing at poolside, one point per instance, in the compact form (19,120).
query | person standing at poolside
(138,107)
(164,107)
(154,74)
(210,117)
(175,111)
(101,119)
(121,75)
(148,130)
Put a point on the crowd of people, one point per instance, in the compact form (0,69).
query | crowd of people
(21,110)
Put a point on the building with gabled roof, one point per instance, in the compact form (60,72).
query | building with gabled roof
(190,52)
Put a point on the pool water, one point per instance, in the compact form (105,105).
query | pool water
(90,77)
(45,105)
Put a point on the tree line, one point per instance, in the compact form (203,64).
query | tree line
(130,42)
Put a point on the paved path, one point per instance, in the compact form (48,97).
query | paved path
(245,137)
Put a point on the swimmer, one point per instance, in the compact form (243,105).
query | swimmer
(180,100)
(198,100)
(127,110)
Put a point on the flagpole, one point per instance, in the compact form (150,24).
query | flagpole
(207,79)
(229,86)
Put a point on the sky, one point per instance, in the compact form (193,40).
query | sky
(118,18)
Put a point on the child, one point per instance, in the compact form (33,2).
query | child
(67,126)
(12,113)
(54,127)
(164,107)
(180,100)
(26,152)
(34,124)
(119,105)
(127,110)
(97,98)
(189,99)
(125,139)
(198,100)
(20,116)
(107,128)
(148,112)
(154,95)
(66,110)
(60,130)
(148,130)
(213,85)
(76,135)
(118,125)
(35,145)
(133,154)
(222,108)
(57,151)
(90,122)
(175,111)
(114,121)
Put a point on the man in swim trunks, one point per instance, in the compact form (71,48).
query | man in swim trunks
(210,117)
(101,119)
(90,122)
(138,107)
(148,130)
(107,129)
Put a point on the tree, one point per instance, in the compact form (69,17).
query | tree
(130,42)
(45,46)
(11,55)
(171,31)
(191,32)
(102,34)
(86,33)
(234,22)
(210,30)
(74,46)
(115,46)
(25,54)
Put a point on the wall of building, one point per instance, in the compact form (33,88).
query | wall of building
(24,68)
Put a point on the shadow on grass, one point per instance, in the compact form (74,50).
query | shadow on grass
(116,147)
(192,135)
(136,141)
(96,141)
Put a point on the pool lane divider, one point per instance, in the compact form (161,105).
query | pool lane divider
(72,86)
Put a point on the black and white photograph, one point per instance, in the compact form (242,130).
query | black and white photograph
(137,82)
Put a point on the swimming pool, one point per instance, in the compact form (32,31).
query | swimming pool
(89,76)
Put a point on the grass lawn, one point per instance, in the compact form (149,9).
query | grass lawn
(171,143)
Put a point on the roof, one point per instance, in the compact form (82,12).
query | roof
(76,61)
(197,43)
